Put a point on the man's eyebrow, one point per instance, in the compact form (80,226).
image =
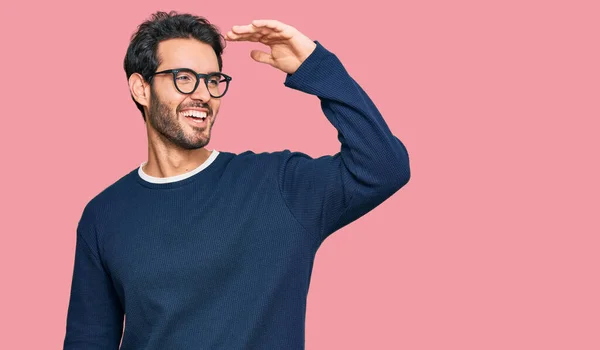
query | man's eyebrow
(209,72)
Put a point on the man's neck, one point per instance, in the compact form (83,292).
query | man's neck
(168,164)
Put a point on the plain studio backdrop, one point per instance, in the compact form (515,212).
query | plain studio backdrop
(493,244)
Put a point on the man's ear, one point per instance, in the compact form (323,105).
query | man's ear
(139,89)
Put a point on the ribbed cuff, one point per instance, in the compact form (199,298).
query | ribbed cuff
(307,69)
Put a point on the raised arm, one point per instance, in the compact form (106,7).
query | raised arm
(327,193)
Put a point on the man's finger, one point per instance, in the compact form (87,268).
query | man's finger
(255,37)
(248,28)
(231,36)
(269,23)
(239,36)
(251,29)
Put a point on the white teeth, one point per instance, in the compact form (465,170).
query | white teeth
(195,114)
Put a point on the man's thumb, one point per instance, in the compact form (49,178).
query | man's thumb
(261,56)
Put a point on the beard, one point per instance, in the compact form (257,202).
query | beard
(167,125)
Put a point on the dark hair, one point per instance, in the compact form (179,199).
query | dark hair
(141,54)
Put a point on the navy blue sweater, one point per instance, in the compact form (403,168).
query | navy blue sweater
(221,258)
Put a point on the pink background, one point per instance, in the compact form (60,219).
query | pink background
(493,244)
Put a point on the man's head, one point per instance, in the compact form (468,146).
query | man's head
(175,41)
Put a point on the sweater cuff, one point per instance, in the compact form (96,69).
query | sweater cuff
(308,69)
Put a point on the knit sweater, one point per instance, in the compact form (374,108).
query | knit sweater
(221,257)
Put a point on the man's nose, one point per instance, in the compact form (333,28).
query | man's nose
(201,92)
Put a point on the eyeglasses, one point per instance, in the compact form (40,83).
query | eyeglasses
(186,81)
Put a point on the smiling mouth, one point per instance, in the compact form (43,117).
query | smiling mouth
(195,114)
(197,121)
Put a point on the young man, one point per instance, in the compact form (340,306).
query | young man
(207,249)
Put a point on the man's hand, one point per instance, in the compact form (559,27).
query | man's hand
(289,47)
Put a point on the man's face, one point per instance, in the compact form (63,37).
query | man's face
(166,103)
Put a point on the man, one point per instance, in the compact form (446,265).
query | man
(207,249)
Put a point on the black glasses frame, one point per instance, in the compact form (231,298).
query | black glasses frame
(198,77)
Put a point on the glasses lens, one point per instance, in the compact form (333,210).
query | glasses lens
(217,84)
(186,81)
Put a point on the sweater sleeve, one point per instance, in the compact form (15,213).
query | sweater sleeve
(329,192)
(95,315)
